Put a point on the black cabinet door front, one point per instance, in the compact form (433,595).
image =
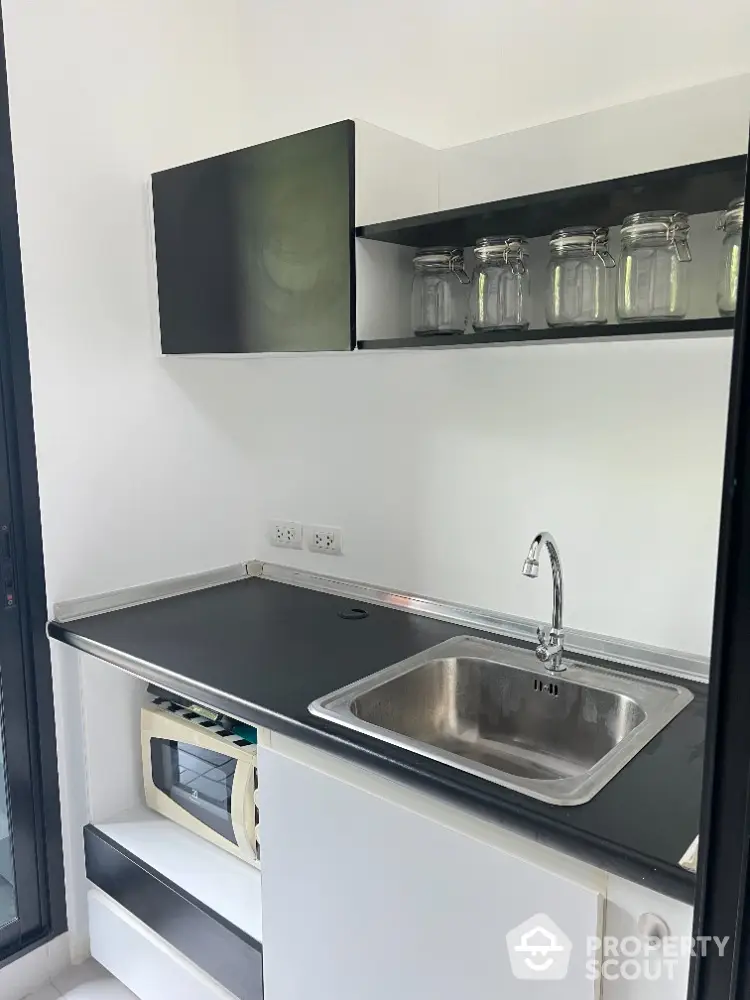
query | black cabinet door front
(254,248)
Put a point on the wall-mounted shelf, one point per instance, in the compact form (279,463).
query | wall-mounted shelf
(228,283)
(695,188)
(660,329)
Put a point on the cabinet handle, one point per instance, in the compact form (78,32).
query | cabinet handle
(652,928)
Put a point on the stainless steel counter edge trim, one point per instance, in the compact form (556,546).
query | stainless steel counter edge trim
(687,666)
(202,694)
(114,600)
(682,665)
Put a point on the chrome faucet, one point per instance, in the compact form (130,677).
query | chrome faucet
(549,650)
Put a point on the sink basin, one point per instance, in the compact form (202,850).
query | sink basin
(494,711)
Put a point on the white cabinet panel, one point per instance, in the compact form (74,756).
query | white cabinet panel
(384,279)
(699,123)
(626,903)
(367,895)
(395,177)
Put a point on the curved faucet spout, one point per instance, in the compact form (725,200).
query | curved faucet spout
(549,651)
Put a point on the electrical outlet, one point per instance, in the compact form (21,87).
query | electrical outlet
(327,540)
(285,534)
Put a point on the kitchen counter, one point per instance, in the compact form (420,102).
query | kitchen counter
(261,651)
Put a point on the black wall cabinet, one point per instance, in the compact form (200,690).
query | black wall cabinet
(255,248)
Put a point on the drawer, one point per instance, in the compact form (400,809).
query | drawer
(144,962)
(207,940)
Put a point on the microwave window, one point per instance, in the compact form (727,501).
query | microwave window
(199,781)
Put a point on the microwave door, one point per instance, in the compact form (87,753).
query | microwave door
(198,780)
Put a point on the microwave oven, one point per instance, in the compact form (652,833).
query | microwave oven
(201,775)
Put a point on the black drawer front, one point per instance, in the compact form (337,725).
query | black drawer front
(232,957)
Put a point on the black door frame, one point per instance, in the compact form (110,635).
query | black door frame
(722,878)
(25,669)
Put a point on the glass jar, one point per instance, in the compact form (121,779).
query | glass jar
(577,273)
(500,286)
(438,296)
(731,249)
(652,280)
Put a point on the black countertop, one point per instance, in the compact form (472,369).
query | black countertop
(277,647)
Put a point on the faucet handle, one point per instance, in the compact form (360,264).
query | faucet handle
(541,635)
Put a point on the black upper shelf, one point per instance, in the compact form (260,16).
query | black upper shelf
(664,329)
(695,188)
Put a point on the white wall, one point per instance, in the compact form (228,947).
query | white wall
(444,72)
(438,467)
(136,480)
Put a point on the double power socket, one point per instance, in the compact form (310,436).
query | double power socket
(291,534)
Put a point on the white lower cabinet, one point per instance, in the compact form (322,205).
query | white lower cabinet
(372,889)
(640,969)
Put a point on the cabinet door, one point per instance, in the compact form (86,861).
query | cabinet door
(626,904)
(367,897)
(254,248)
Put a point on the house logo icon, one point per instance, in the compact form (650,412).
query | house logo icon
(538,949)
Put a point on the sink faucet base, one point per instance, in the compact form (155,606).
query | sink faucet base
(550,649)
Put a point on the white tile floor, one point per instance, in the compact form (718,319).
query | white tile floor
(84,982)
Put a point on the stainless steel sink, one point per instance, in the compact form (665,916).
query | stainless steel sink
(494,711)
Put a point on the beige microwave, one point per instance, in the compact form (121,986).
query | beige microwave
(202,776)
